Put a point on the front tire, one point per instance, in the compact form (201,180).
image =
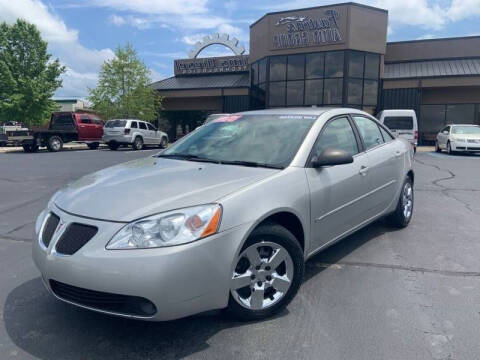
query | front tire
(449,149)
(404,211)
(163,143)
(54,143)
(137,143)
(113,145)
(268,273)
(437,148)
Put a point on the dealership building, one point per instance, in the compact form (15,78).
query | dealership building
(334,55)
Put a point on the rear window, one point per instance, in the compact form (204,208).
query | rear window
(115,123)
(133,125)
(399,122)
(63,119)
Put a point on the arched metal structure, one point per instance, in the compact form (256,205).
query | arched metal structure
(217,39)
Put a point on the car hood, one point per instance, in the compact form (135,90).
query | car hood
(466,136)
(149,186)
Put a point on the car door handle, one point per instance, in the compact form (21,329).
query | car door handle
(363,170)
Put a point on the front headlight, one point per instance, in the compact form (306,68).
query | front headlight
(170,228)
(457,139)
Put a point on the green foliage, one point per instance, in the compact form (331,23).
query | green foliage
(122,90)
(28,75)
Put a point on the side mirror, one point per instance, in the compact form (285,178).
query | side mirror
(445,132)
(331,157)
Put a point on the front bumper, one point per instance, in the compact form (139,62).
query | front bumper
(465,146)
(179,280)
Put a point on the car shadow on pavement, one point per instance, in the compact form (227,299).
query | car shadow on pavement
(47,328)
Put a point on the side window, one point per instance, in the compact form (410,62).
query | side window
(151,127)
(369,131)
(142,125)
(447,129)
(337,134)
(386,136)
(97,121)
(133,125)
(85,120)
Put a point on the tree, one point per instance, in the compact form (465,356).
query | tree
(28,75)
(123,88)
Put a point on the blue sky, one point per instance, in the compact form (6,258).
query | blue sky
(83,34)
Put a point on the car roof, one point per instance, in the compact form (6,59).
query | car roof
(314,111)
(461,125)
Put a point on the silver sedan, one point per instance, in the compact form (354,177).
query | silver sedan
(224,218)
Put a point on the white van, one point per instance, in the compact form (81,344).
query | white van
(402,123)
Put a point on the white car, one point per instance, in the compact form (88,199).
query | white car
(460,137)
(136,133)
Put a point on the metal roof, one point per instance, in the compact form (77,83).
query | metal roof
(432,68)
(203,82)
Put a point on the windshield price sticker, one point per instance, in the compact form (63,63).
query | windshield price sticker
(227,119)
(308,117)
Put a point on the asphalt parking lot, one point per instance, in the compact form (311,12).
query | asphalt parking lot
(379,294)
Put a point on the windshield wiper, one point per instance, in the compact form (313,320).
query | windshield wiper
(251,164)
(188,157)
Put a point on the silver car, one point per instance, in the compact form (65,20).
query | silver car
(136,133)
(224,218)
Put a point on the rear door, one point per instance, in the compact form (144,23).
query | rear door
(385,164)
(337,192)
(142,127)
(97,127)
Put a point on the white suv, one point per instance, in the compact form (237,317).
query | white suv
(133,132)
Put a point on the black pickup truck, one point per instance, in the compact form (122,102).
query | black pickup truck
(80,126)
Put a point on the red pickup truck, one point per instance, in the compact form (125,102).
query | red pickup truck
(80,126)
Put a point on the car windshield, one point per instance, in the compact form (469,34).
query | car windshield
(467,130)
(250,140)
(115,123)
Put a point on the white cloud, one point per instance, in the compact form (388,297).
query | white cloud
(63,42)
(463,9)
(192,39)
(154,7)
(117,20)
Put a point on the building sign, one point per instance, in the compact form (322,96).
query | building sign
(224,64)
(304,31)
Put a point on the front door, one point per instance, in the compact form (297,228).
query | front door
(443,137)
(384,158)
(336,192)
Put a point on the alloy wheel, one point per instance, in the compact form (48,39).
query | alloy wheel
(407,200)
(262,276)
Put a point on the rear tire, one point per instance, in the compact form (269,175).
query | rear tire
(137,143)
(449,149)
(113,146)
(404,211)
(54,143)
(261,295)
(93,146)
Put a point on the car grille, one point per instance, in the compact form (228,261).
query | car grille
(113,303)
(74,237)
(473,141)
(49,228)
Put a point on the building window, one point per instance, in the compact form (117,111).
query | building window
(333,91)
(276,96)
(278,68)
(254,73)
(334,64)
(314,92)
(372,66)
(295,67)
(355,91)
(262,71)
(355,64)
(315,66)
(370,92)
(432,120)
(295,93)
